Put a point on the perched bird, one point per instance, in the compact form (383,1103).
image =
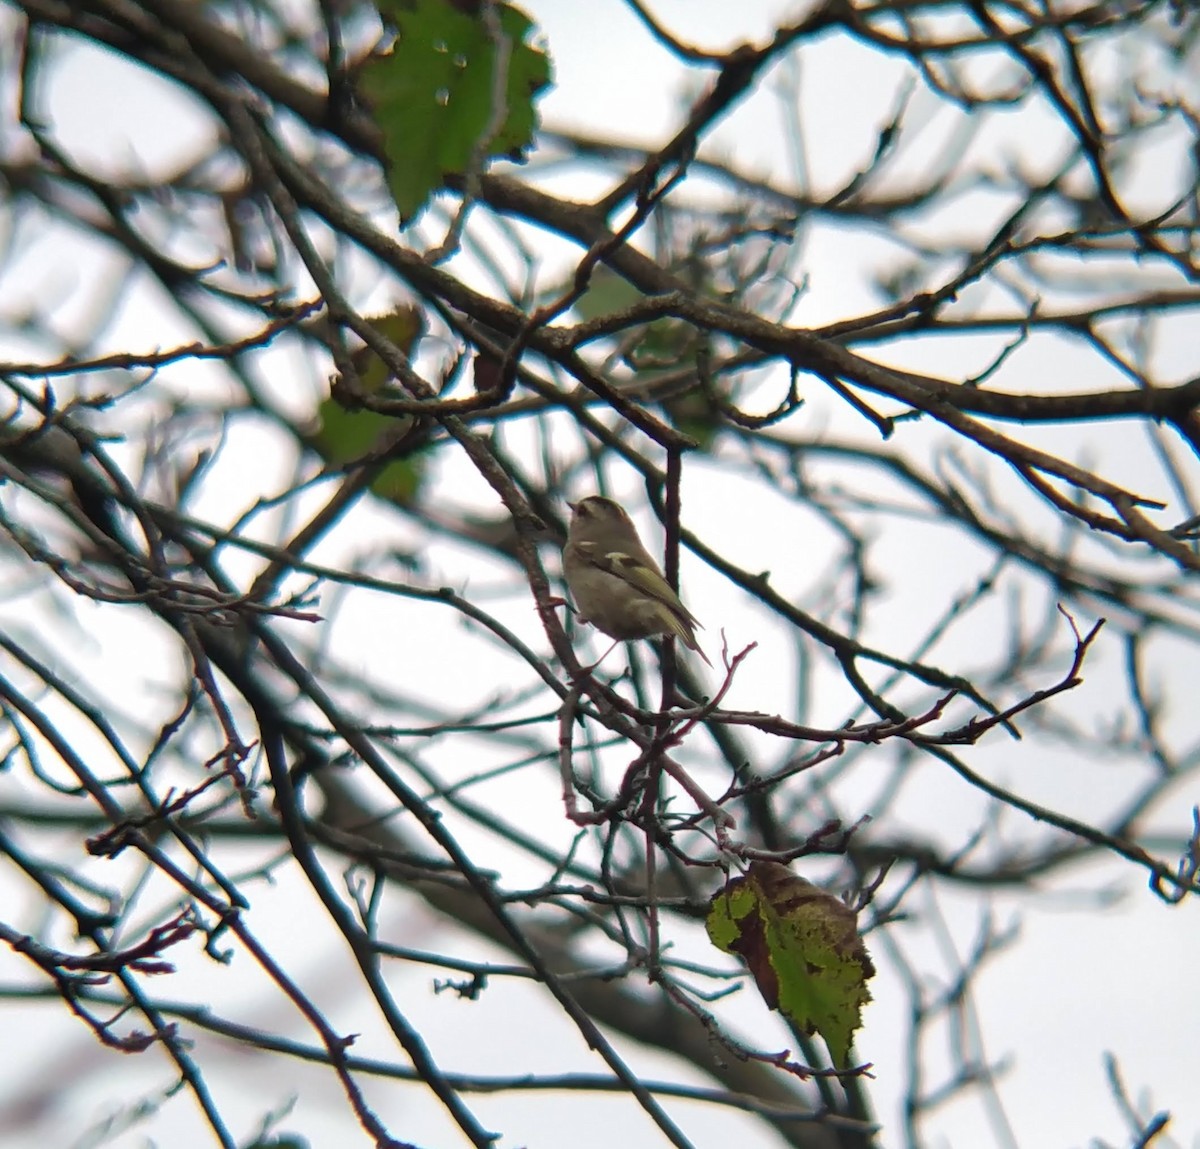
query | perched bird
(616,585)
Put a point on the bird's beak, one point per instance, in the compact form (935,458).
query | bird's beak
(574,507)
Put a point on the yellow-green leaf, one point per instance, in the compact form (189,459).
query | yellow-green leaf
(803,948)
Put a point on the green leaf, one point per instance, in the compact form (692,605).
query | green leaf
(432,93)
(403,326)
(695,414)
(654,350)
(662,344)
(607,291)
(345,436)
(803,948)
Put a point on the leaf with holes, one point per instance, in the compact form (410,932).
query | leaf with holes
(802,947)
(432,93)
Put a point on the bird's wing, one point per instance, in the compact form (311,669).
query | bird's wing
(638,573)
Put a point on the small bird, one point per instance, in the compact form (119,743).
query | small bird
(616,585)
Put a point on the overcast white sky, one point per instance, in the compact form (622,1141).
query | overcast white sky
(1079,981)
